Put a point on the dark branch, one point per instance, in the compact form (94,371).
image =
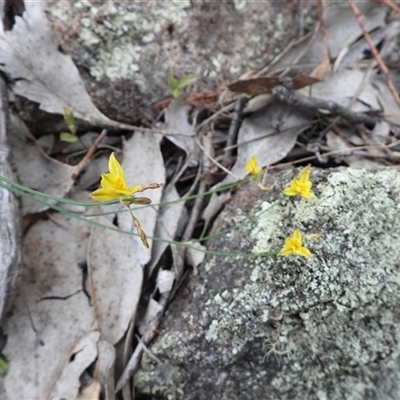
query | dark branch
(286,94)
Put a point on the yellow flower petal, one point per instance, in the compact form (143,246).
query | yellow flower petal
(297,236)
(303,251)
(301,186)
(252,166)
(113,184)
(102,195)
(291,191)
(115,168)
(293,245)
(304,174)
(134,189)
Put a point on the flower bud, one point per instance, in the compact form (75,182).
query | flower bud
(141,200)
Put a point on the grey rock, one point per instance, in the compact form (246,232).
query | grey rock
(125,49)
(10,218)
(325,327)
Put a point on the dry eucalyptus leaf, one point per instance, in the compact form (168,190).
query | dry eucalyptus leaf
(178,260)
(82,145)
(195,257)
(36,170)
(51,321)
(302,56)
(268,134)
(153,310)
(322,71)
(90,392)
(342,29)
(336,142)
(31,60)
(213,207)
(90,175)
(390,108)
(257,102)
(342,86)
(265,84)
(106,360)
(167,224)
(176,120)
(46,142)
(143,163)
(165,280)
(355,52)
(115,277)
(82,355)
(115,259)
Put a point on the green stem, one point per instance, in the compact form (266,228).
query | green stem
(24,189)
(4,363)
(115,229)
(105,203)
(246,221)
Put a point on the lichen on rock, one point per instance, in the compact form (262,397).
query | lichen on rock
(326,327)
(135,44)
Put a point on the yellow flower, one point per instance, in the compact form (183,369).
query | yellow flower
(293,245)
(302,185)
(252,166)
(113,184)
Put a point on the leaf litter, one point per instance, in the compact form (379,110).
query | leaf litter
(81,287)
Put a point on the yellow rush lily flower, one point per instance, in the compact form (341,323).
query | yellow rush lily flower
(302,185)
(293,245)
(254,170)
(113,186)
(252,166)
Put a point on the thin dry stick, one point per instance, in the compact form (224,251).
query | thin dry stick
(198,203)
(301,17)
(148,351)
(234,127)
(147,337)
(389,4)
(66,226)
(302,128)
(320,11)
(289,48)
(331,153)
(352,100)
(78,168)
(215,161)
(381,64)
(121,126)
(285,93)
(180,170)
(213,117)
(126,392)
(195,182)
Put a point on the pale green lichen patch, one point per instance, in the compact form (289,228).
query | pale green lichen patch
(266,225)
(118,57)
(326,327)
(215,41)
(121,36)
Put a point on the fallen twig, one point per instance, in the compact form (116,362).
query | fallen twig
(234,127)
(389,4)
(346,152)
(82,164)
(381,64)
(285,93)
